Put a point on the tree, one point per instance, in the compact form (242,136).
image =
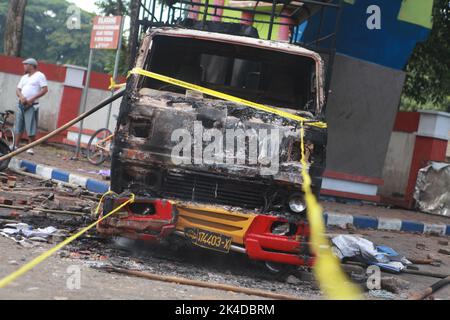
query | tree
(113,7)
(14,27)
(46,36)
(428,71)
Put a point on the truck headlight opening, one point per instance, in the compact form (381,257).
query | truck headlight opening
(281,228)
(297,203)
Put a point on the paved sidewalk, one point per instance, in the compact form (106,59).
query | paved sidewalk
(60,157)
(378,211)
(57,174)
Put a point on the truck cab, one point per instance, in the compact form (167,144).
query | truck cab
(218,173)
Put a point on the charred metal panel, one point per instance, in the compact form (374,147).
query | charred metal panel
(144,144)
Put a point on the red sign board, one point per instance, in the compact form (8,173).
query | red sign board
(105,33)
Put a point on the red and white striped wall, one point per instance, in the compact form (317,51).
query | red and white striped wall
(62,103)
(418,138)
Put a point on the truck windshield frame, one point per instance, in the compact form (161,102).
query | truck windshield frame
(271,77)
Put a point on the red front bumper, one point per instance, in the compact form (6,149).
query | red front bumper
(262,244)
(161,218)
(156,224)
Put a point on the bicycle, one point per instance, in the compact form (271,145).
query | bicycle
(99,146)
(6,133)
(6,138)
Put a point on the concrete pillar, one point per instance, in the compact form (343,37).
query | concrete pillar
(71,97)
(431,145)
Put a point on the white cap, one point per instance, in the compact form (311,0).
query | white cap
(31,61)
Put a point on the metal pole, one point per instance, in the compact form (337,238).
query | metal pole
(205,14)
(272,19)
(116,70)
(332,55)
(83,102)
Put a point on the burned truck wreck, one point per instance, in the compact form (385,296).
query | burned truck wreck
(219,174)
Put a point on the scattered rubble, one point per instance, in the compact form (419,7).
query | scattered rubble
(382,294)
(363,250)
(421,246)
(293,280)
(434,258)
(443,242)
(444,251)
(394,284)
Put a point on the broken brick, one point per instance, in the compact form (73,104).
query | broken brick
(421,246)
(444,251)
(5,201)
(394,285)
(12,181)
(434,257)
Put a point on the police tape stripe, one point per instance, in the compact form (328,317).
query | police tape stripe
(114,85)
(332,280)
(30,265)
(327,268)
(224,96)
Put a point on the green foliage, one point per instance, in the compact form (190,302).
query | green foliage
(113,7)
(428,72)
(46,35)
(3,13)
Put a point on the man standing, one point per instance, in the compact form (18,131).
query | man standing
(32,86)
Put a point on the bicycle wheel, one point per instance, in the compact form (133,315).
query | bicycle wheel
(8,136)
(99,146)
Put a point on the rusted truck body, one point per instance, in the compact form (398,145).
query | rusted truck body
(214,196)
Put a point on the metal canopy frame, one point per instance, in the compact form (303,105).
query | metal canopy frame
(166,13)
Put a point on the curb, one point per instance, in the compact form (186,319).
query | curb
(91,185)
(342,221)
(363,222)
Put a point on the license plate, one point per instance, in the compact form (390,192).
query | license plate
(209,240)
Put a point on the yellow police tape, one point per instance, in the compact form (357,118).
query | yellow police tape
(114,85)
(327,268)
(27,267)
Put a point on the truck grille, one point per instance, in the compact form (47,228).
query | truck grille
(213,189)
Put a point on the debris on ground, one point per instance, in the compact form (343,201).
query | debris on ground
(434,258)
(104,174)
(293,280)
(444,251)
(421,246)
(45,196)
(394,284)
(382,294)
(362,250)
(24,234)
(431,191)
